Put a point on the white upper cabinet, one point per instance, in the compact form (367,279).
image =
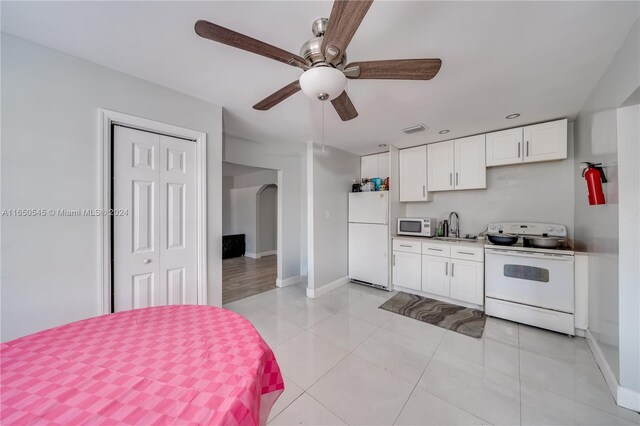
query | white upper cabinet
(504,147)
(545,141)
(376,165)
(470,165)
(413,174)
(440,166)
(529,144)
(458,164)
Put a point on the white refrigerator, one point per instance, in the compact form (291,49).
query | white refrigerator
(369,238)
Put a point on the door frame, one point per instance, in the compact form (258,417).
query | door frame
(107,118)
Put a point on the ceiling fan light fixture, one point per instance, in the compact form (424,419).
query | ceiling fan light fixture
(324,83)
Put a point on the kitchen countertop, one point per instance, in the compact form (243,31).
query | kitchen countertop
(480,242)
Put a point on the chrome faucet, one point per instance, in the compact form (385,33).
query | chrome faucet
(454,231)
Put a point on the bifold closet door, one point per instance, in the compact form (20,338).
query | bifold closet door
(154,245)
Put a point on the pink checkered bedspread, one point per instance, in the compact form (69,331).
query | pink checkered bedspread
(163,365)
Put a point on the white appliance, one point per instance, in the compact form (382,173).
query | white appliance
(530,285)
(369,238)
(419,227)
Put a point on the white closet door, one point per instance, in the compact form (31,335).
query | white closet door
(178,274)
(136,236)
(154,259)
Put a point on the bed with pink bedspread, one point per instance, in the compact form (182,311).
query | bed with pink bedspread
(163,365)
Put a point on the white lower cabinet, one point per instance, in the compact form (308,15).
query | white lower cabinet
(441,269)
(467,281)
(435,275)
(406,270)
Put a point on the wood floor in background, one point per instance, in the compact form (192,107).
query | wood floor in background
(243,277)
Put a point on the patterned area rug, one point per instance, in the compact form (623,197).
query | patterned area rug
(452,317)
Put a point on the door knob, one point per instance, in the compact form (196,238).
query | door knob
(145,261)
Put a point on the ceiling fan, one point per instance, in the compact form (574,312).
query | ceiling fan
(323,58)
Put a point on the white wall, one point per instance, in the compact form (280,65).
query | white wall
(244,210)
(629,248)
(262,177)
(50,159)
(536,192)
(612,320)
(291,190)
(331,173)
(268,218)
(227,215)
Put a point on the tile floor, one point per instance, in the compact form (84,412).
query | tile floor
(347,362)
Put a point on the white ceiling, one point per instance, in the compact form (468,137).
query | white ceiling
(540,59)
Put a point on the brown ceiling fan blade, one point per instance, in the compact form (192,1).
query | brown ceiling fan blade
(277,97)
(345,18)
(344,107)
(231,38)
(396,69)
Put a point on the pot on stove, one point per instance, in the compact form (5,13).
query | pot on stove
(543,241)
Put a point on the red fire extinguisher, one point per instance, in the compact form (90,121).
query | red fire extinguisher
(594,175)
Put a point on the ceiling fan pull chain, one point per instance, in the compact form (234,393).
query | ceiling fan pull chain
(322,126)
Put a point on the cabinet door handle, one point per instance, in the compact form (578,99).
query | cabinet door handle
(424,191)
(518,149)
(466,252)
(446,269)
(452,265)
(456,178)
(394,260)
(405,245)
(434,249)
(527,148)
(450,179)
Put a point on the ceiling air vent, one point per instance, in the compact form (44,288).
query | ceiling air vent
(414,129)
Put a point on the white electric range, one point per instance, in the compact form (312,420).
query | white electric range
(530,285)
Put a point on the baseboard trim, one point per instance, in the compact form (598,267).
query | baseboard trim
(317,292)
(252,255)
(290,281)
(267,253)
(624,397)
(628,398)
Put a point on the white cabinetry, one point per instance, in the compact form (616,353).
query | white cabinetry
(455,272)
(435,275)
(470,164)
(406,270)
(413,174)
(406,263)
(504,147)
(467,281)
(457,164)
(545,141)
(441,166)
(376,165)
(529,144)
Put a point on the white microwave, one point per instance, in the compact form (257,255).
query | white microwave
(419,227)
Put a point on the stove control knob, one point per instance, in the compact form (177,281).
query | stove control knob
(549,228)
(558,228)
(492,227)
(499,226)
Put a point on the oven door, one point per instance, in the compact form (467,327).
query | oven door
(535,279)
